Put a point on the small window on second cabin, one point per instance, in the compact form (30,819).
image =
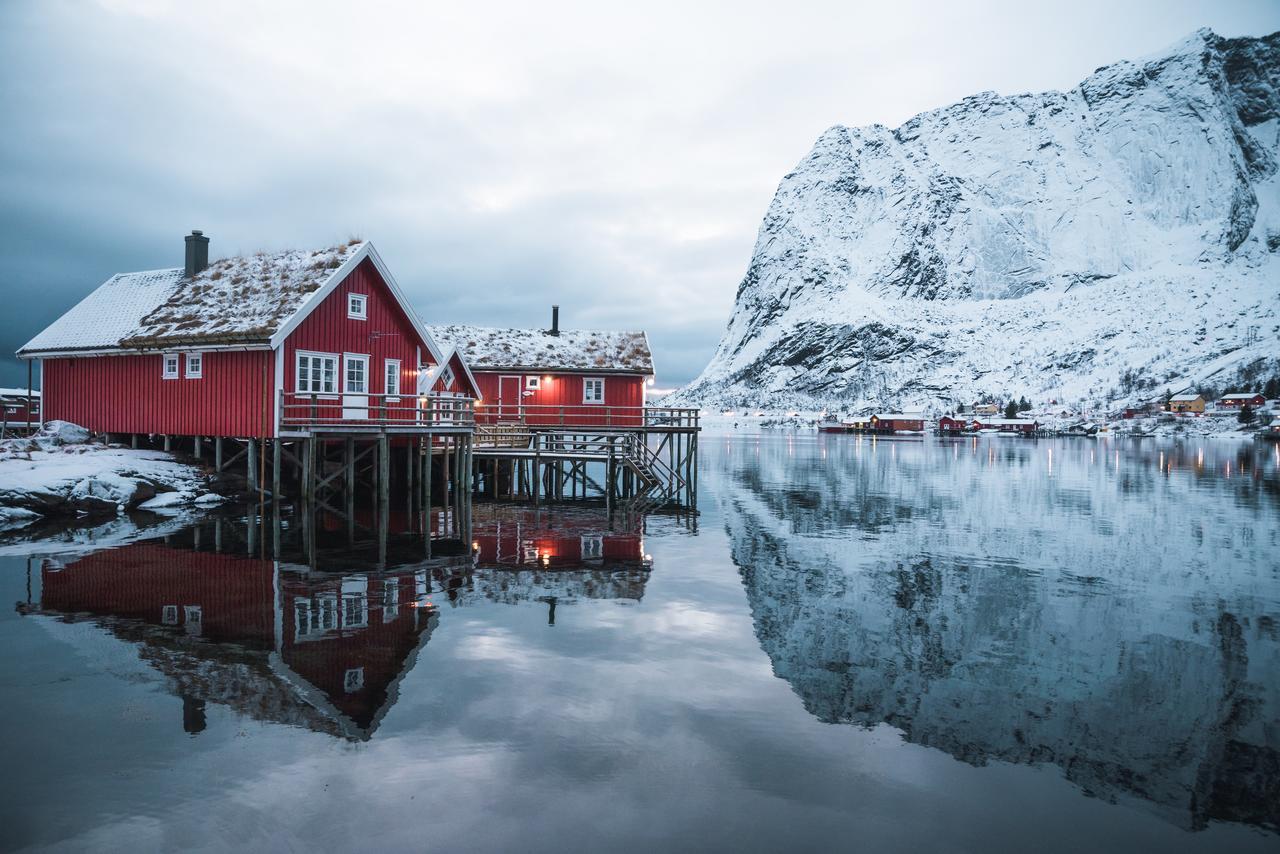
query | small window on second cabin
(446,378)
(532,382)
(195,366)
(593,390)
(392,382)
(170,369)
(357,306)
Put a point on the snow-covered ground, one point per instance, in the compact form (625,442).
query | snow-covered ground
(59,473)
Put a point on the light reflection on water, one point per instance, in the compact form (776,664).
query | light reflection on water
(977,644)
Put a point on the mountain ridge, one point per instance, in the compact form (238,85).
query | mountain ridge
(1045,243)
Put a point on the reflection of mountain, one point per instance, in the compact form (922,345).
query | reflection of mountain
(1118,625)
(278,642)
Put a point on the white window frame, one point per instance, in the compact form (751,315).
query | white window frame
(169,615)
(592,547)
(347,358)
(447,377)
(358,306)
(198,373)
(532,383)
(393,394)
(353,680)
(590,382)
(297,373)
(165,372)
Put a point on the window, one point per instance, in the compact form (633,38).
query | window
(169,615)
(357,373)
(393,377)
(357,306)
(532,382)
(170,366)
(195,366)
(353,680)
(355,610)
(446,377)
(193,619)
(592,548)
(593,390)
(390,599)
(317,373)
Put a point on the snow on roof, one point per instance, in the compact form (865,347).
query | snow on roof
(18,392)
(110,313)
(1008,422)
(487,348)
(1185,397)
(1249,395)
(898,416)
(239,300)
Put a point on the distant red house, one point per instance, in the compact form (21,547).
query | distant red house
(950,426)
(14,410)
(551,377)
(237,347)
(1007,425)
(1235,401)
(897,422)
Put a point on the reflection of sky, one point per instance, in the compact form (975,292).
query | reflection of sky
(627,725)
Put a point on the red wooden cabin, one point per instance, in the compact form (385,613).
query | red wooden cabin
(256,346)
(897,423)
(1025,426)
(951,426)
(556,377)
(1235,401)
(14,411)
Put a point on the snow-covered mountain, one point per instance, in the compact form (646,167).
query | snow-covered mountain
(1030,244)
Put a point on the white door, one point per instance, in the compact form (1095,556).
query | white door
(355,387)
(510,390)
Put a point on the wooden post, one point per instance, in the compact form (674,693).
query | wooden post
(277,455)
(384,490)
(411,460)
(426,494)
(133,441)
(349,478)
(198,447)
(167,443)
(30,395)
(308,466)
(251,456)
(217,454)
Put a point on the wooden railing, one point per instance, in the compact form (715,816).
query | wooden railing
(380,411)
(588,415)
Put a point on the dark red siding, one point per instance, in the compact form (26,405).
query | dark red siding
(561,398)
(128,394)
(235,595)
(388,333)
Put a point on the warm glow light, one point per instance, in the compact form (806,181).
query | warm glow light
(547,380)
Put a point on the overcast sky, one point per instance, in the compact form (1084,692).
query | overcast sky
(613,158)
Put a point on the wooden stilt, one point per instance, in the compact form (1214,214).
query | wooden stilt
(276,460)
(252,458)
(217,454)
(168,443)
(198,447)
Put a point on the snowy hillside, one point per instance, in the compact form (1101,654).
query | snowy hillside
(1037,244)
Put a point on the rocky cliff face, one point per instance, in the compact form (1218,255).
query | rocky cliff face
(1033,243)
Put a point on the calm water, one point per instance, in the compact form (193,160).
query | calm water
(884,645)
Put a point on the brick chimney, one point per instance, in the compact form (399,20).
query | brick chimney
(197,252)
(555,320)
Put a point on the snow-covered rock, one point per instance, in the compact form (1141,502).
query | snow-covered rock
(1039,244)
(56,473)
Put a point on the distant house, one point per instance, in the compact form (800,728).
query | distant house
(244,347)
(1186,403)
(987,409)
(950,426)
(1007,425)
(554,376)
(896,422)
(1235,401)
(13,407)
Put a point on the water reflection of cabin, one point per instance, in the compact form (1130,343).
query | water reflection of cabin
(336,645)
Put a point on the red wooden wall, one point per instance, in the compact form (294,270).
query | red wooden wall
(128,394)
(623,395)
(236,595)
(386,334)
